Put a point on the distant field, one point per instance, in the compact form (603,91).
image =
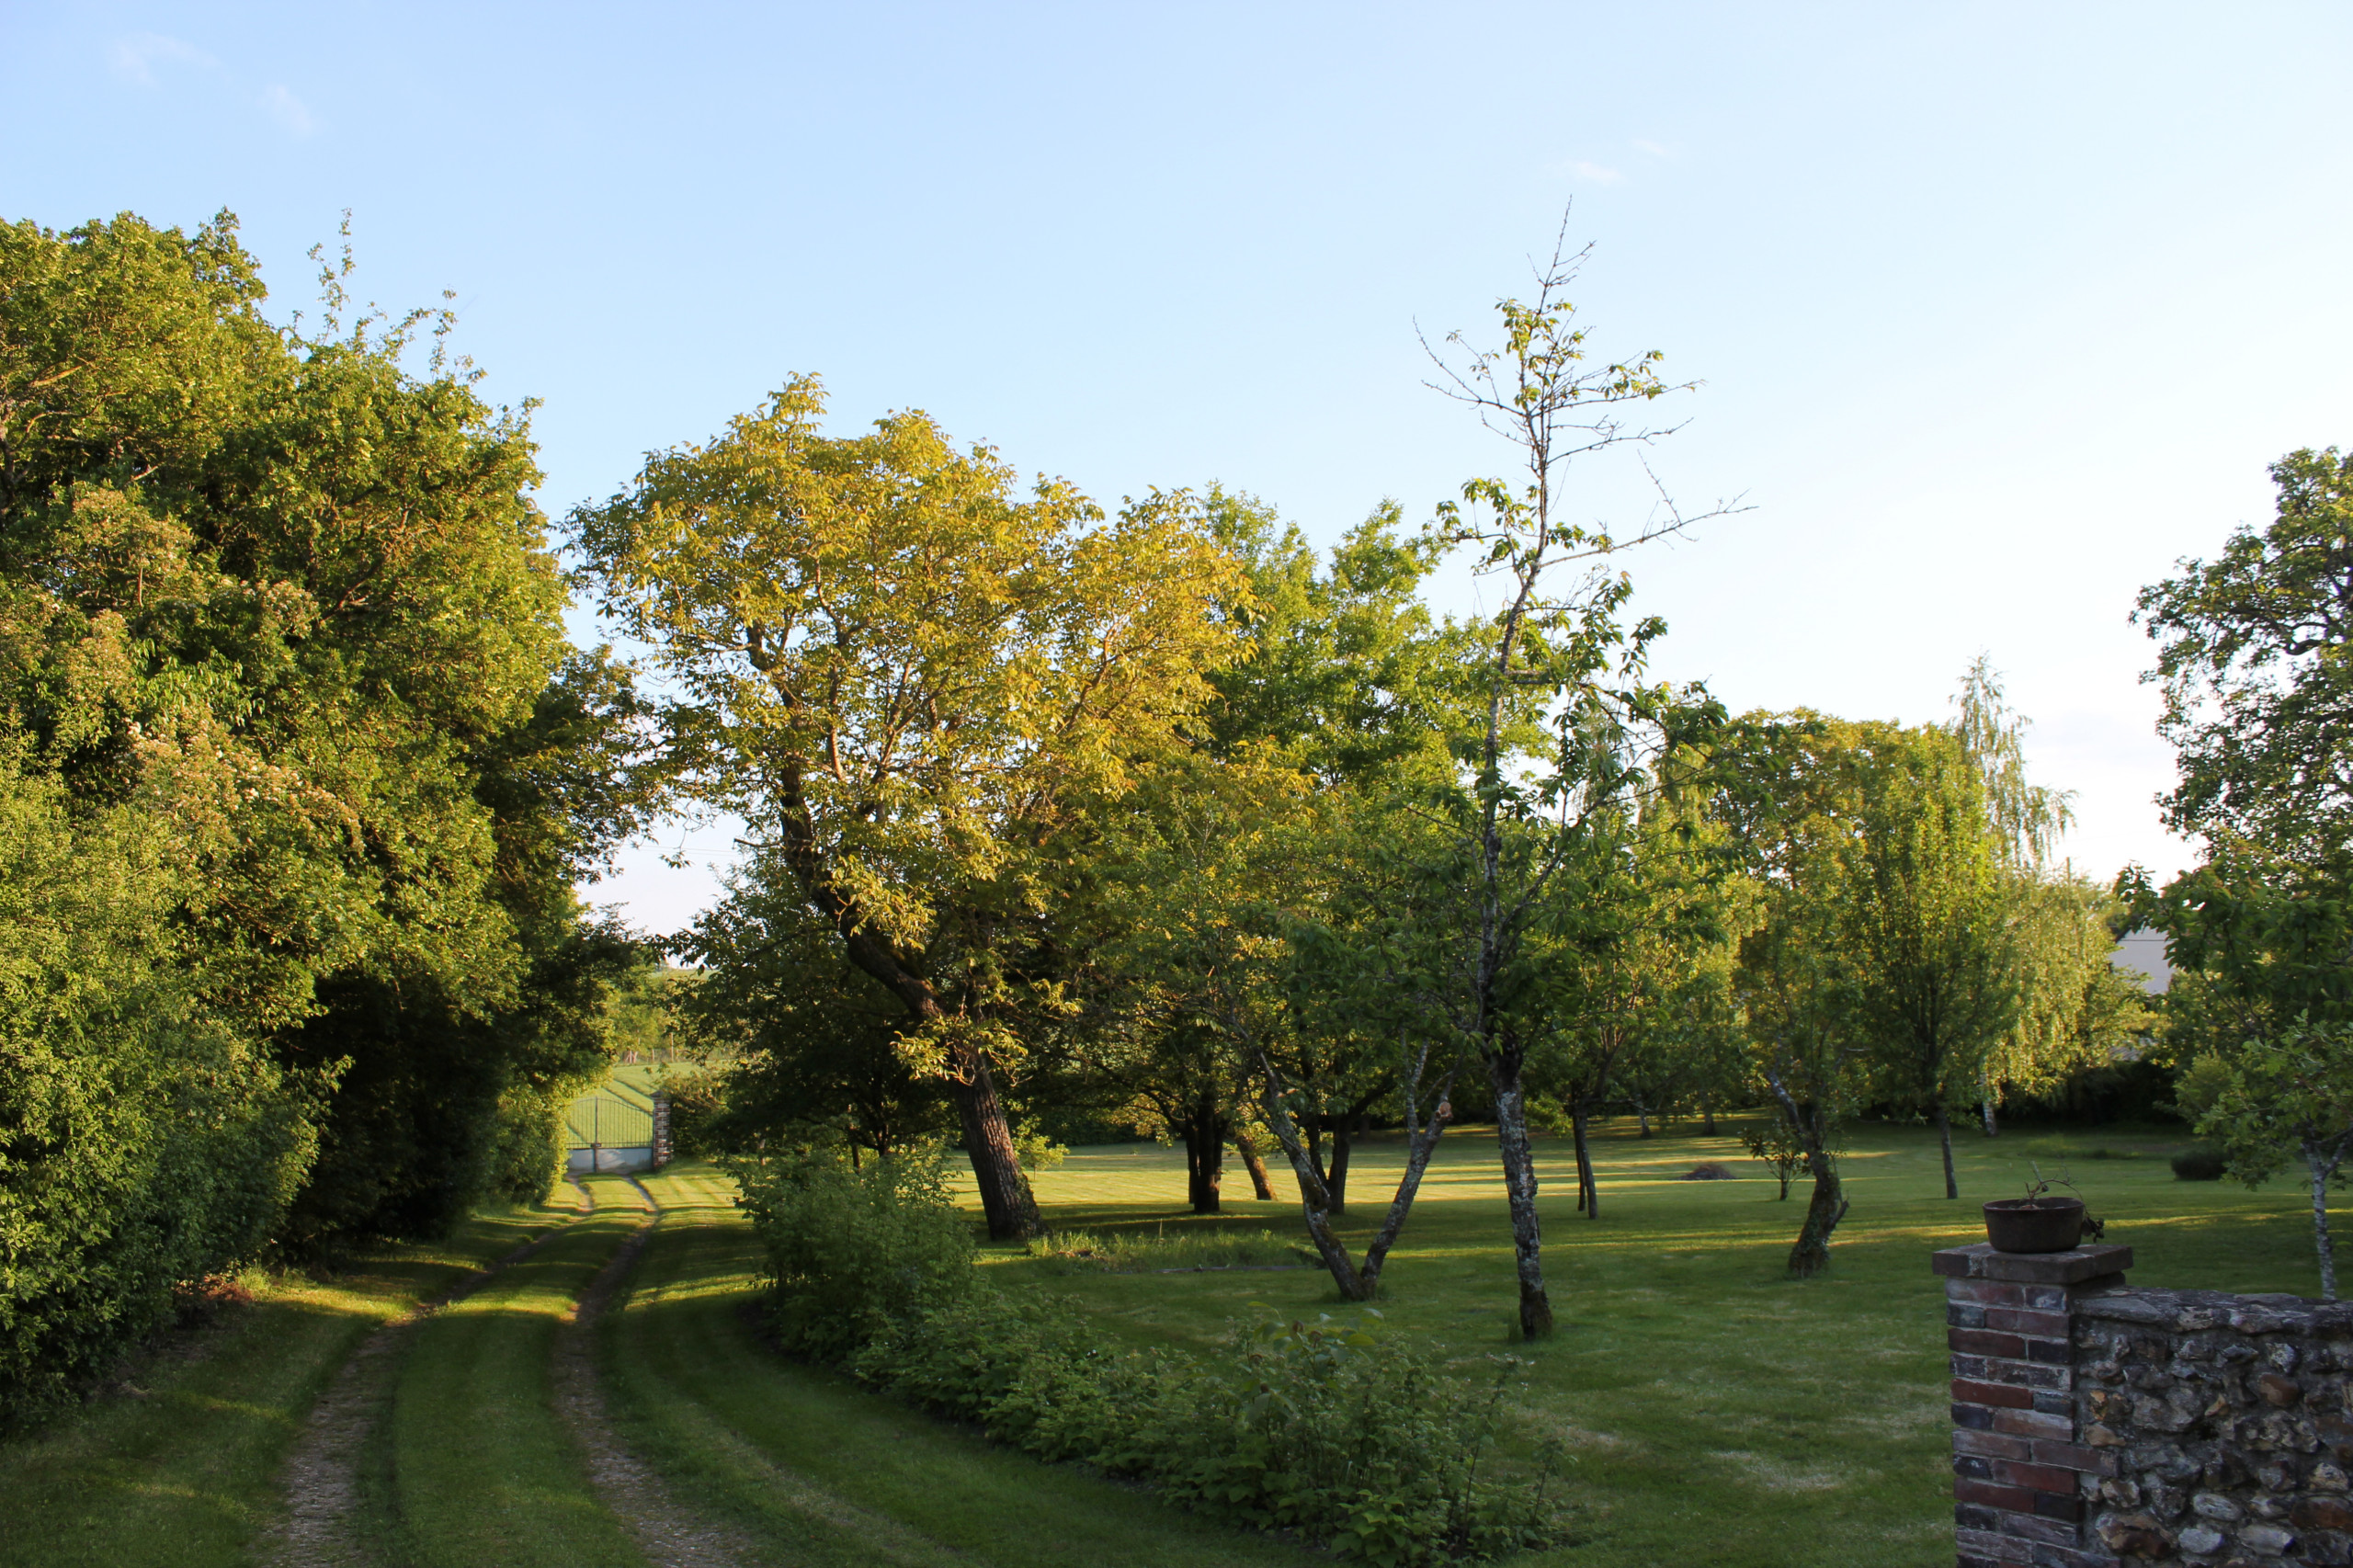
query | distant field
(618,1112)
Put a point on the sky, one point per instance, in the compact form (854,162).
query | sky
(1998,312)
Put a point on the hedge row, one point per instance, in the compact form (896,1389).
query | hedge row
(1328,1431)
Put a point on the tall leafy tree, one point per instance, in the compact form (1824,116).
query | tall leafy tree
(812,1042)
(1349,688)
(906,678)
(1788,797)
(2263,959)
(1218,898)
(2256,660)
(278,601)
(1613,962)
(1928,919)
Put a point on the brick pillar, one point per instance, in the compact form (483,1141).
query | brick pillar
(661,1131)
(2023,1479)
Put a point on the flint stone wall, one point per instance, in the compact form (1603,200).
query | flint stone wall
(2100,1426)
(2229,1420)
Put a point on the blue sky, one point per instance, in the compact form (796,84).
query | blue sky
(2000,309)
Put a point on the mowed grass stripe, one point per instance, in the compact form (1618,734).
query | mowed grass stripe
(189,1475)
(824,1472)
(473,1465)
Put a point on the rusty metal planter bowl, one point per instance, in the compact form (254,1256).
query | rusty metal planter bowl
(2034,1224)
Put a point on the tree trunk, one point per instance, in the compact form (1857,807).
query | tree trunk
(1260,1184)
(1643,1118)
(1588,1195)
(1944,1136)
(1707,1119)
(1358,1285)
(1337,1177)
(1005,1187)
(1985,1115)
(1204,1155)
(1420,1144)
(1783,1172)
(1006,1198)
(1810,1255)
(2317,1160)
(1314,1201)
(1519,1187)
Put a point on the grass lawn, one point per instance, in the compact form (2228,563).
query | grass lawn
(474,1465)
(816,1470)
(1718,1412)
(179,1464)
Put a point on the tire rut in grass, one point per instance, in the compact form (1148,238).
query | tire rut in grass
(321,1476)
(670,1534)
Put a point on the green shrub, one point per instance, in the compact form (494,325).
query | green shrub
(697,1098)
(1039,1153)
(526,1152)
(854,1251)
(1326,1431)
(2202,1162)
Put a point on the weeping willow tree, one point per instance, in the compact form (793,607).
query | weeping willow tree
(2074,1010)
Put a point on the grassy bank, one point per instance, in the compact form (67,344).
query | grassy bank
(818,1472)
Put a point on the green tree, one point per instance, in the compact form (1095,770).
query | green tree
(2077,1010)
(274,600)
(2258,684)
(2074,1010)
(808,1040)
(1608,971)
(2257,675)
(1544,649)
(1217,890)
(1789,795)
(1928,922)
(2290,1090)
(1352,684)
(908,681)
(2263,968)
(144,1140)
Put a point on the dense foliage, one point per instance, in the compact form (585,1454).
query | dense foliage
(298,775)
(2256,657)
(854,1249)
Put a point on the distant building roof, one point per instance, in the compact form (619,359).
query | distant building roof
(2143,952)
